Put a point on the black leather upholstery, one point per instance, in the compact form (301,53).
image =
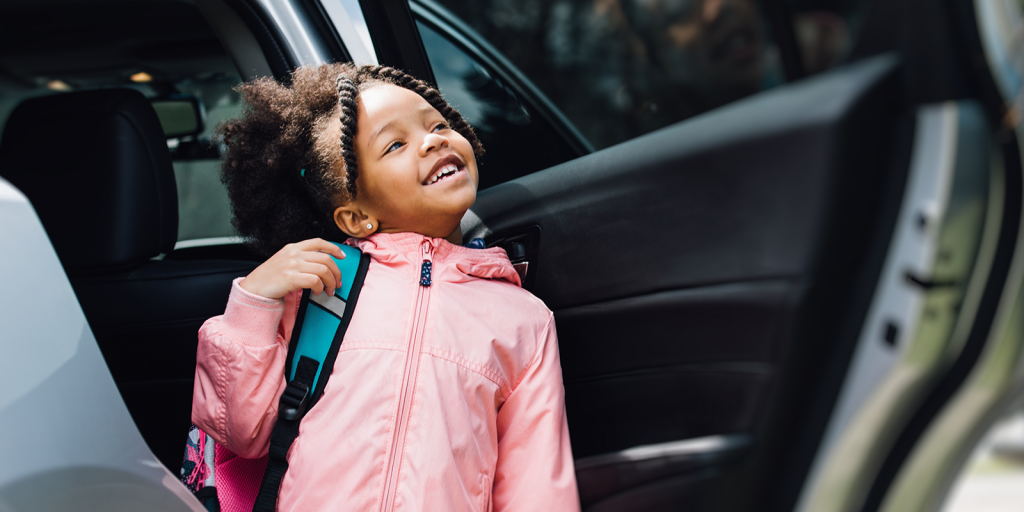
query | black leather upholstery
(96,167)
(145,321)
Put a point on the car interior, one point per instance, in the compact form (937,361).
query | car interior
(110,201)
(709,275)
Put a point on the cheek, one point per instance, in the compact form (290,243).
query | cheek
(475,174)
(372,185)
(465,150)
(392,189)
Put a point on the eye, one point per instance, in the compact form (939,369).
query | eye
(440,126)
(393,146)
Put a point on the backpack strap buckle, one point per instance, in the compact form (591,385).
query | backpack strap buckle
(294,401)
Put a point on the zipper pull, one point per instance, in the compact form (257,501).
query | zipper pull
(426,266)
(425,273)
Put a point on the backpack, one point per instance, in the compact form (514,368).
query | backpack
(223,481)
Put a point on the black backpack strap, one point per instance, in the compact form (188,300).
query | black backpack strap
(208,497)
(300,394)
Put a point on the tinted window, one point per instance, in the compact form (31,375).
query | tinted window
(203,207)
(824,30)
(158,47)
(516,138)
(622,68)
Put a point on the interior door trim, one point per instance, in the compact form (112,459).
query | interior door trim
(351,28)
(890,377)
(239,40)
(795,186)
(462,35)
(689,449)
(296,29)
(923,478)
(600,476)
(396,39)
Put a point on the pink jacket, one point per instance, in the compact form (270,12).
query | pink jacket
(447,397)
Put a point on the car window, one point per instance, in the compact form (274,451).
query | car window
(619,69)
(160,48)
(825,31)
(203,207)
(622,68)
(501,118)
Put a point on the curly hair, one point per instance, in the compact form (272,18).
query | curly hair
(290,159)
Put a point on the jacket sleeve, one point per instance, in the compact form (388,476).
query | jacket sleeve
(535,467)
(240,371)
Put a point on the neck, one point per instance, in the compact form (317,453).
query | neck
(455,237)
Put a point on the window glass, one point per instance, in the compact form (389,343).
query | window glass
(1001,25)
(517,140)
(203,207)
(824,31)
(160,48)
(622,68)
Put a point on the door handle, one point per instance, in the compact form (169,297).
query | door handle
(517,255)
(929,283)
(521,246)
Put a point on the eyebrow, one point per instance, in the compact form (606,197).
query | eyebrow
(391,123)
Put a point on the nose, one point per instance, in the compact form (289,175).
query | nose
(433,142)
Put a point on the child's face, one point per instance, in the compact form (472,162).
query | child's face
(415,172)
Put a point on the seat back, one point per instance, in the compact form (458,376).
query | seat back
(95,166)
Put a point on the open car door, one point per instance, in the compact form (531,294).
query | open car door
(763,307)
(769,306)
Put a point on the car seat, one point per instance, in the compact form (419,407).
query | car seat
(95,166)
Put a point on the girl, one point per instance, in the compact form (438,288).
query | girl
(447,392)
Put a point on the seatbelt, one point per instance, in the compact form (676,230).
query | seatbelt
(319,330)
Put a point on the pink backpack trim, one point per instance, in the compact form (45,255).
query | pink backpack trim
(208,464)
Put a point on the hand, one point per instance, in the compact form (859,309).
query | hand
(306,264)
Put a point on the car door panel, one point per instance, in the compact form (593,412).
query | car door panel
(722,356)
(603,476)
(687,268)
(733,195)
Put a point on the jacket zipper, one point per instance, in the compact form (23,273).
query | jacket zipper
(408,377)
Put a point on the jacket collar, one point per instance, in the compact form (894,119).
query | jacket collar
(492,263)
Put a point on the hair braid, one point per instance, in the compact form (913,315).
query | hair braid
(349,86)
(284,175)
(347,93)
(432,96)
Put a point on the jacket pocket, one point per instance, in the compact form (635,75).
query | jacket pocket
(485,494)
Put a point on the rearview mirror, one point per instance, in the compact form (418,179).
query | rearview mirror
(180,115)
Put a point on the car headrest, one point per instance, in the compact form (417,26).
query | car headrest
(96,167)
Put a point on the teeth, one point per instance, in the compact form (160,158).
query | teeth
(445,171)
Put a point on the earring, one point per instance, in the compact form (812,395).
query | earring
(369,226)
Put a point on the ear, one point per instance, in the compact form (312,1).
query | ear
(353,221)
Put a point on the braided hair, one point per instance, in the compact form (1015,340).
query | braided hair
(290,158)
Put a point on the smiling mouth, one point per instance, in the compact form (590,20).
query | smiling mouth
(444,172)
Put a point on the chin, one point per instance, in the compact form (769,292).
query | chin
(463,199)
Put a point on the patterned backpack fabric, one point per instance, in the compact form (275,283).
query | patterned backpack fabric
(237,479)
(225,482)
(197,470)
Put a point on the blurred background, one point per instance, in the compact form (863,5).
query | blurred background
(993,480)
(649,63)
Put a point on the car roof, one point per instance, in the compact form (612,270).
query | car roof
(89,44)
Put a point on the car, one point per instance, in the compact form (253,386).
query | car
(781,238)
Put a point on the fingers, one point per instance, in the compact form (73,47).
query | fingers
(328,279)
(325,259)
(321,245)
(307,264)
(311,281)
